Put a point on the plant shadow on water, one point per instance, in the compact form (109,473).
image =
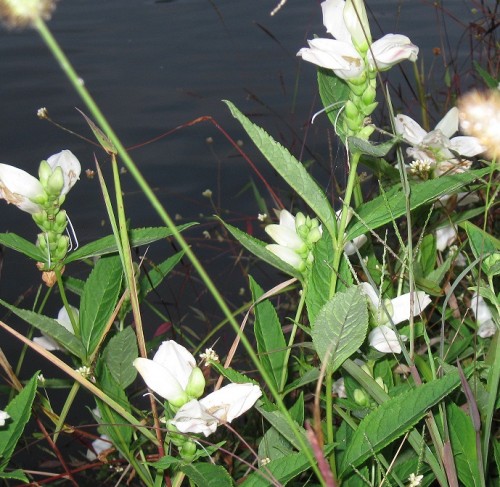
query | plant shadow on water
(155,68)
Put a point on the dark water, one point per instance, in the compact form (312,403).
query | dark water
(153,66)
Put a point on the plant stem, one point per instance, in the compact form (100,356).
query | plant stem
(65,410)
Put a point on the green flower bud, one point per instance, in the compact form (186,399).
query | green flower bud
(196,383)
(351,111)
(41,242)
(44,173)
(179,401)
(361,398)
(380,382)
(314,235)
(55,183)
(188,450)
(300,220)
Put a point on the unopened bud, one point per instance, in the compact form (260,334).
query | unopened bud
(55,183)
(196,383)
(361,398)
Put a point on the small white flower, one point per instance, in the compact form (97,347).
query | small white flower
(84,371)
(219,407)
(170,373)
(385,340)
(262,217)
(207,193)
(70,166)
(438,146)
(209,355)
(415,480)
(338,388)
(98,446)
(445,236)
(3,417)
(484,318)
(42,113)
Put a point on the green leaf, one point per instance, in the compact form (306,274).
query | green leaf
(258,248)
(490,81)
(99,298)
(15,475)
(290,169)
(156,275)
(19,244)
(281,469)
(340,327)
(52,328)
(311,375)
(334,93)
(463,443)
(19,410)
(271,345)
(119,354)
(207,475)
(107,245)
(481,243)
(427,254)
(371,149)
(392,204)
(164,463)
(101,137)
(393,418)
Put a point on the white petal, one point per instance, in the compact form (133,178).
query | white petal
(70,166)
(177,360)
(64,320)
(356,20)
(449,124)
(487,329)
(333,19)
(401,306)
(445,236)
(390,50)
(287,255)
(98,446)
(410,130)
(339,56)
(284,236)
(355,244)
(231,401)
(3,416)
(480,309)
(370,293)
(159,379)
(47,343)
(18,187)
(466,146)
(287,220)
(383,339)
(338,387)
(193,418)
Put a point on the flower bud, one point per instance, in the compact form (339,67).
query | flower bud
(361,398)
(300,219)
(196,383)
(55,182)
(44,172)
(368,96)
(188,450)
(314,235)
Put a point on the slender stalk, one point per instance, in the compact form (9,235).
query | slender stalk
(65,410)
(329,420)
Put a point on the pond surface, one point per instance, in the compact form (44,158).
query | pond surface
(153,66)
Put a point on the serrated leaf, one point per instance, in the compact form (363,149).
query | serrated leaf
(371,149)
(15,475)
(340,327)
(20,244)
(310,376)
(99,298)
(52,328)
(232,375)
(107,245)
(334,93)
(19,410)
(258,248)
(119,354)
(290,169)
(481,243)
(207,475)
(271,344)
(392,204)
(393,418)
(463,443)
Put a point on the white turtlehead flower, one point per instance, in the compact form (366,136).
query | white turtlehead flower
(98,446)
(172,373)
(484,318)
(385,340)
(219,407)
(348,23)
(4,416)
(70,166)
(64,320)
(19,188)
(445,236)
(438,146)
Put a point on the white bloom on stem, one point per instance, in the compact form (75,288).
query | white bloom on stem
(19,188)
(219,407)
(64,320)
(399,308)
(385,340)
(484,318)
(347,22)
(70,166)
(170,373)
(445,236)
(438,146)
(415,480)
(3,417)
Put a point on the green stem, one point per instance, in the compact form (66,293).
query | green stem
(329,420)
(65,410)
(291,340)
(338,245)
(150,195)
(72,318)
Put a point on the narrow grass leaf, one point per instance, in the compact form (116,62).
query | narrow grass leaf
(340,327)
(208,475)
(107,245)
(156,275)
(99,298)
(395,417)
(392,204)
(51,328)
(366,147)
(19,410)
(20,244)
(271,345)
(119,354)
(290,169)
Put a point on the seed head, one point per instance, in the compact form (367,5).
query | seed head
(18,14)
